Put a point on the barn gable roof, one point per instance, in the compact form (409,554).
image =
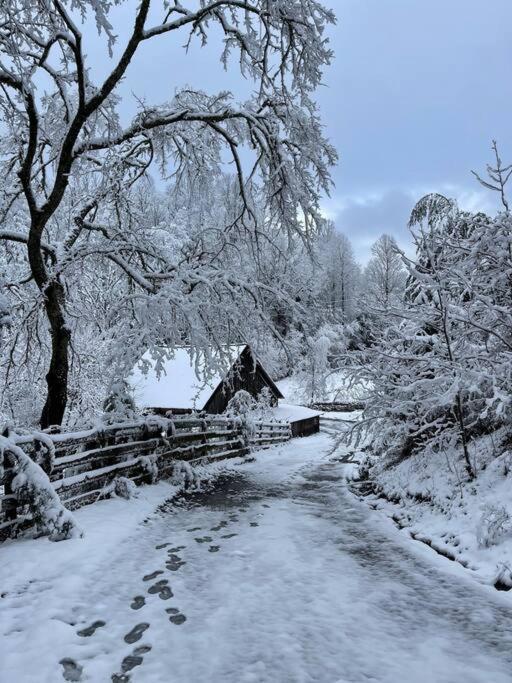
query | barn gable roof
(182,381)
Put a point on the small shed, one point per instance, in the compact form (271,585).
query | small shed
(182,384)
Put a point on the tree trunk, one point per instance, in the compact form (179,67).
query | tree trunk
(57,376)
(54,303)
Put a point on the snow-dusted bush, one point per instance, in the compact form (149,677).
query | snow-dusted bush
(241,404)
(184,477)
(44,451)
(120,487)
(495,523)
(264,404)
(119,404)
(34,490)
(503,579)
(150,466)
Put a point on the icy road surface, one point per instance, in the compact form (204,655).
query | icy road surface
(278,575)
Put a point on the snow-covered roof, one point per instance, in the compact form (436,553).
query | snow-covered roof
(290,413)
(179,381)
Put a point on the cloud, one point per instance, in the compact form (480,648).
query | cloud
(363,218)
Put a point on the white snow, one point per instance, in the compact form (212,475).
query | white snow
(179,381)
(433,502)
(321,590)
(290,413)
(338,389)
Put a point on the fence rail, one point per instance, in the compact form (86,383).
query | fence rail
(82,464)
(347,407)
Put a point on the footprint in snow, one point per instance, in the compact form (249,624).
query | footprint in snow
(204,539)
(177,549)
(174,566)
(153,575)
(89,631)
(136,633)
(120,678)
(162,545)
(72,670)
(158,587)
(138,602)
(196,528)
(174,562)
(166,593)
(214,549)
(176,617)
(254,524)
(229,535)
(131,661)
(219,526)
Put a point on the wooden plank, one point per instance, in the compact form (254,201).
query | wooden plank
(223,455)
(97,480)
(101,457)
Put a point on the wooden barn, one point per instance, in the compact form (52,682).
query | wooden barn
(181,386)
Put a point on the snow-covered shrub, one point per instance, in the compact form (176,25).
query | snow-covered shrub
(503,579)
(494,524)
(184,477)
(44,451)
(120,487)
(264,404)
(34,490)
(241,404)
(150,466)
(119,404)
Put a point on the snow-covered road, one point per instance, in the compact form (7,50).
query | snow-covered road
(278,575)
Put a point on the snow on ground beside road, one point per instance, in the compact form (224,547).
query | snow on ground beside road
(40,581)
(428,496)
(276,575)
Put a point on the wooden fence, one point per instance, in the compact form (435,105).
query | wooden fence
(84,463)
(347,407)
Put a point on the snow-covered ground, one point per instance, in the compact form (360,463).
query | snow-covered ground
(338,390)
(276,575)
(429,496)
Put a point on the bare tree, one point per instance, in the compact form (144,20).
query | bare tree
(340,276)
(385,275)
(499,176)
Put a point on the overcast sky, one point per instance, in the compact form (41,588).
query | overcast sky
(416,93)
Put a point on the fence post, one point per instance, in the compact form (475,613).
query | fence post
(10,506)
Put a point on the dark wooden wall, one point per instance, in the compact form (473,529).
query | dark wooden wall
(245,375)
(306,427)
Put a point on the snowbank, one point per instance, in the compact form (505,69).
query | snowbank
(470,522)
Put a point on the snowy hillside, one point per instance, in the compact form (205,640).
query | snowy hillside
(338,389)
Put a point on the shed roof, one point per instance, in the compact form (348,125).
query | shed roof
(180,381)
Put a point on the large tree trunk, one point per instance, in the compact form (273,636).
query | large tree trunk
(54,303)
(57,376)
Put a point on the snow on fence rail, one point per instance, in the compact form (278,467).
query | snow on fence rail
(81,465)
(331,407)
